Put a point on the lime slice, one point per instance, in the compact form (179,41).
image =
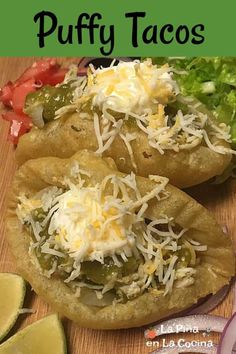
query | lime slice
(12,294)
(45,336)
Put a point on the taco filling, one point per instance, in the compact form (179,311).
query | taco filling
(132,94)
(97,239)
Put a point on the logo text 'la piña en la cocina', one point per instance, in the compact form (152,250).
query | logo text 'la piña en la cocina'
(89,29)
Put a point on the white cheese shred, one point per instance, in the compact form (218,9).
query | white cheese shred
(139,92)
(85,223)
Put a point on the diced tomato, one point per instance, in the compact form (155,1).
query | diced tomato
(19,95)
(20,124)
(44,72)
(8,116)
(17,129)
(6,94)
(40,70)
(56,78)
(22,118)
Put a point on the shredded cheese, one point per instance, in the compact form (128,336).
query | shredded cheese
(85,223)
(140,92)
(26,310)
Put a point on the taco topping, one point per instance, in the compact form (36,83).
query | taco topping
(98,237)
(148,95)
(134,93)
(13,94)
(140,95)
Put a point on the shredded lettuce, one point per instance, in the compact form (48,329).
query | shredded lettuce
(212,80)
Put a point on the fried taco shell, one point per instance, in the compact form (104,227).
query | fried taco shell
(214,268)
(71,133)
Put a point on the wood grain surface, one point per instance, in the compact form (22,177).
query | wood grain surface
(219,199)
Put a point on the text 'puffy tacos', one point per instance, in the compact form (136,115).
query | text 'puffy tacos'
(111,250)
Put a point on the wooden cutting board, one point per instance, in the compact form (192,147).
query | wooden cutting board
(219,199)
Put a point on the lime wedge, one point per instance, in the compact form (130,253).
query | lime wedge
(12,294)
(45,336)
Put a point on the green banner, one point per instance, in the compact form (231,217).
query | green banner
(117,28)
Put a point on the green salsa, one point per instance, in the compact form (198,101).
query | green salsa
(50,98)
(102,273)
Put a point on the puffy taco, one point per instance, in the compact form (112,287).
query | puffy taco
(133,113)
(111,250)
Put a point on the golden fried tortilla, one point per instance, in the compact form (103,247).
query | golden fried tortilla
(216,267)
(71,133)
